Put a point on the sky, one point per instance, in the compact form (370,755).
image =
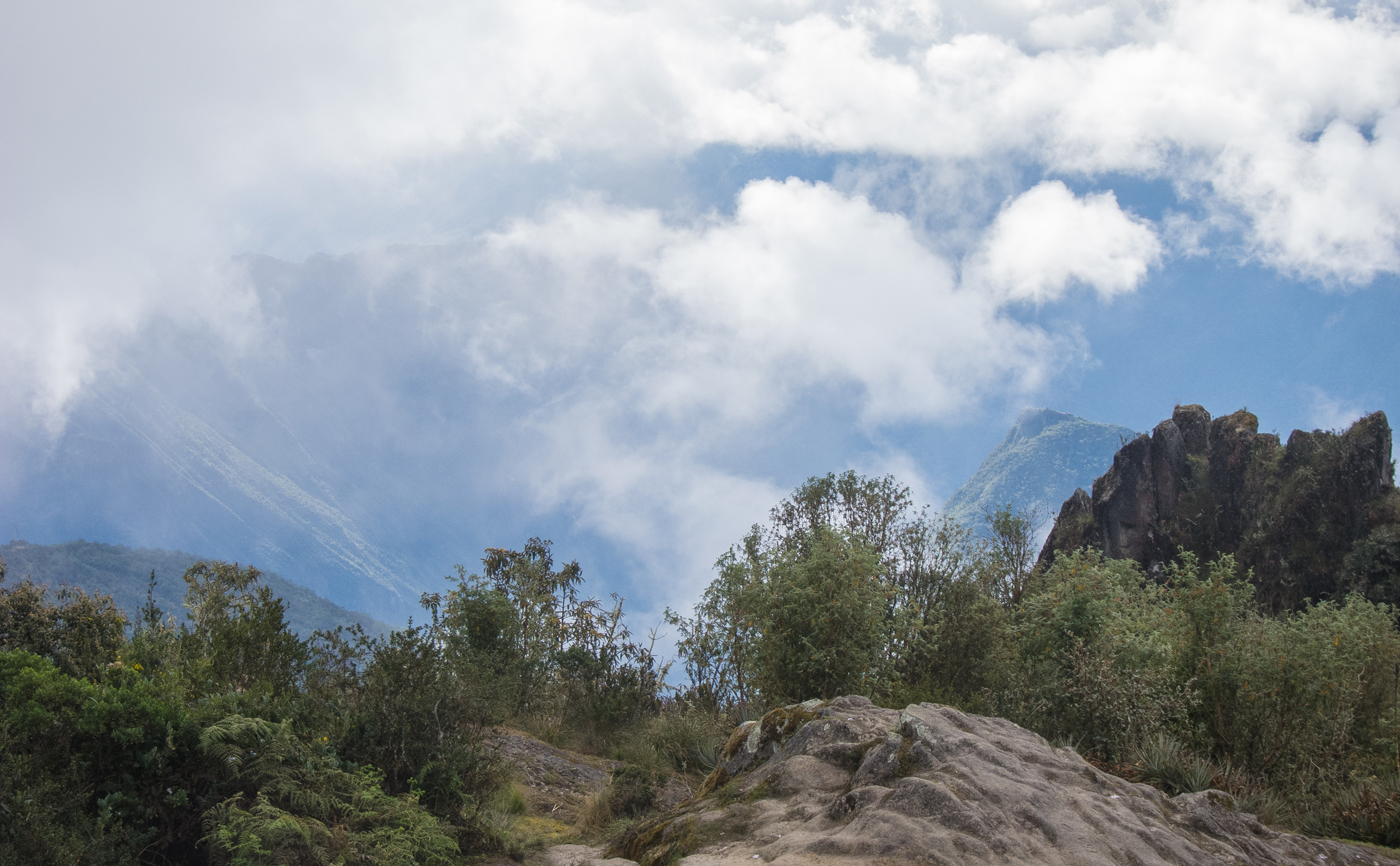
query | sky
(426,277)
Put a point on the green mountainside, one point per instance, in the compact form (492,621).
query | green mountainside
(1038,465)
(123,573)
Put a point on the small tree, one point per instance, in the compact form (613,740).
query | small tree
(824,630)
(718,643)
(238,636)
(1011,550)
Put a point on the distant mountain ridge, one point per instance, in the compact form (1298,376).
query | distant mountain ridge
(1040,463)
(123,573)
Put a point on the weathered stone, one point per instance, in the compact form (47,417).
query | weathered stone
(881,763)
(582,855)
(1169,472)
(986,792)
(1074,528)
(557,782)
(1193,422)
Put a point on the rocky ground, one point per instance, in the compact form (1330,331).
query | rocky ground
(556,781)
(847,782)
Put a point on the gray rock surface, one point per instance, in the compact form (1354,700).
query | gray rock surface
(557,781)
(848,782)
(582,855)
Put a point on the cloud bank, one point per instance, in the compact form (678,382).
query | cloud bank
(148,140)
(644,323)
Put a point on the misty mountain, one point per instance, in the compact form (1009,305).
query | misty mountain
(1042,460)
(124,574)
(316,453)
(134,466)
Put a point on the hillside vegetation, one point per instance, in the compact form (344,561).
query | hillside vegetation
(125,573)
(229,739)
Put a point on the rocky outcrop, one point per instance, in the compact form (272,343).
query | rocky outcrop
(849,782)
(1211,486)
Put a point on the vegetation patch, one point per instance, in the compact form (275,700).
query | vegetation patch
(717,781)
(226,736)
(657,842)
(777,725)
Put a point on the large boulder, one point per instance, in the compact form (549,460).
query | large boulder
(849,782)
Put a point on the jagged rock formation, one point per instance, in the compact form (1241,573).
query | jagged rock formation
(1044,457)
(846,782)
(1315,518)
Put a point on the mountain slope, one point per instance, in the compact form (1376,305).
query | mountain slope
(123,573)
(1038,465)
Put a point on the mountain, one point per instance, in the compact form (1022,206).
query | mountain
(348,447)
(124,573)
(1043,458)
(1315,518)
(139,467)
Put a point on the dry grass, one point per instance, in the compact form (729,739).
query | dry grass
(596,813)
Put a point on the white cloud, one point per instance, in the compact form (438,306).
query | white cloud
(1072,29)
(140,139)
(651,350)
(1048,238)
(731,316)
(1328,412)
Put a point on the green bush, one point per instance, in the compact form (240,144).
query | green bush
(824,627)
(1164,762)
(414,718)
(85,764)
(80,633)
(228,737)
(632,791)
(1095,658)
(1298,696)
(293,803)
(685,738)
(238,637)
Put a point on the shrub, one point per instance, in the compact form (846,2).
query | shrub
(632,791)
(1164,762)
(80,633)
(294,804)
(1095,658)
(87,764)
(1299,693)
(414,718)
(238,637)
(823,620)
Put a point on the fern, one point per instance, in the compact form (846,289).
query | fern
(298,806)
